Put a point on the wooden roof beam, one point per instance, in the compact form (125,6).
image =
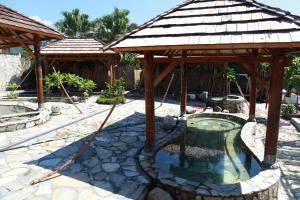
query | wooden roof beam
(164,73)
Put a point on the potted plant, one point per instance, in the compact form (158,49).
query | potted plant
(289,111)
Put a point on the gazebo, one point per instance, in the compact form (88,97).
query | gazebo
(72,50)
(218,31)
(17,30)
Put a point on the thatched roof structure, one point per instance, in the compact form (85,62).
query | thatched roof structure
(215,27)
(15,28)
(75,46)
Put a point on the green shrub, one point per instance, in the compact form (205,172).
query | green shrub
(114,93)
(231,74)
(12,86)
(112,100)
(86,86)
(289,109)
(12,95)
(70,81)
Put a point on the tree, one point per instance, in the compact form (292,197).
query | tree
(74,24)
(292,73)
(110,27)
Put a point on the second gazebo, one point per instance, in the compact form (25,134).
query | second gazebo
(83,57)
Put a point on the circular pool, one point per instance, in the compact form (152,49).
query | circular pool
(20,115)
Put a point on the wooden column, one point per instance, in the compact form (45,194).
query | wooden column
(149,99)
(275,93)
(225,89)
(252,98)
(183,101)
(38,72)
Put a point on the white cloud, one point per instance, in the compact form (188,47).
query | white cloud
(46,22)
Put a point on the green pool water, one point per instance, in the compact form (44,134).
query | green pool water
(7,110)
(211,151)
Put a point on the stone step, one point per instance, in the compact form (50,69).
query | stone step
(294,152)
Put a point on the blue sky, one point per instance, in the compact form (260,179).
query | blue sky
(49,11)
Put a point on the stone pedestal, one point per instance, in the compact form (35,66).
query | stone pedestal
(233,103)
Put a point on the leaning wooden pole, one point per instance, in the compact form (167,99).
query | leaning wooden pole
(38,72)
(275,96)
(65,91)
(252,98)
(149,99)
(81,151)
(225,81)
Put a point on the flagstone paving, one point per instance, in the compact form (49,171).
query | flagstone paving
(108,170)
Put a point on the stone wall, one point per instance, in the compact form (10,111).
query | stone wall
(12,68)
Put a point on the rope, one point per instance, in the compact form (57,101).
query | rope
(64,89)
(78,154)
(241,92)
(19,85)
(167,91)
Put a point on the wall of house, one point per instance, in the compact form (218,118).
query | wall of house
(12,67)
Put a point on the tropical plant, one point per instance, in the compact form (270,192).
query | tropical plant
(231,74)
(289,109)
(12,86)
(110,27)
(74,24)
(86,86)
(292,73)
(130,60)
(113,93)
(53,82)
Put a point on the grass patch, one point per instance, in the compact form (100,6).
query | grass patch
(112,100)
(12,95)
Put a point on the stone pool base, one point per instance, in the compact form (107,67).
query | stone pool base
(14,122)
(264,186)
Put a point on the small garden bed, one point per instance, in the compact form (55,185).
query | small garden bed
(111,100)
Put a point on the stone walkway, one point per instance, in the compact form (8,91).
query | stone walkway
(108,170)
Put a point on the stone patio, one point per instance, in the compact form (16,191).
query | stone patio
(108,170)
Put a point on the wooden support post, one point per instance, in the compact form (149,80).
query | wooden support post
(149,99)
(225,89)
(275,94)
(38,72)
(183,101)
(252,98)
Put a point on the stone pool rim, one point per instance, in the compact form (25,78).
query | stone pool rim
(34,117)
(265,183)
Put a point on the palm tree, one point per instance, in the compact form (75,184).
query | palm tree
(109,27)
(74,24)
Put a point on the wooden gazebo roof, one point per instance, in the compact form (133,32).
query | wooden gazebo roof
(19,30)
(215,27)
(75,46)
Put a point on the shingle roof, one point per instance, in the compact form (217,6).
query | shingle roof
(214,24)
(13,23)
(75,46)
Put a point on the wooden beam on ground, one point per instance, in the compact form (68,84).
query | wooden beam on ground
(225,82)
(164,73)
(275,96)
(149,99)
(183,101)
(38,72)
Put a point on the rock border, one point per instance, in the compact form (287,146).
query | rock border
(35,118)
(263,186)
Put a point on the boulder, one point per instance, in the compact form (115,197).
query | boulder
(169,123)
(56,110)
(217,109)
(159,194)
